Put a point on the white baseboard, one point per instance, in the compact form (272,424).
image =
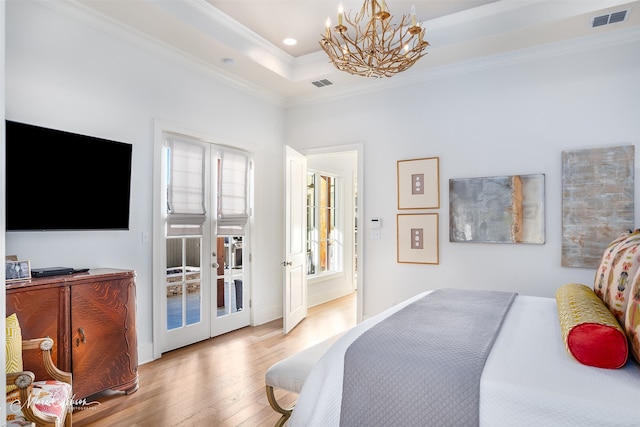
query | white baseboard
(145,353)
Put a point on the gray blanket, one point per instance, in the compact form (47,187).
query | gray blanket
(422,365)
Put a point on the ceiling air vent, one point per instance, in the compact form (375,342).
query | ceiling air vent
(617,17)
(321,83)
(599,21)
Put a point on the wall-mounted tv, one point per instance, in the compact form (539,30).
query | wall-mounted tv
(58,180)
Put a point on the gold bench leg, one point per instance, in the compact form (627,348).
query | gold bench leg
(286,413)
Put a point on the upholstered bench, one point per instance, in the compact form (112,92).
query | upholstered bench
(290,374)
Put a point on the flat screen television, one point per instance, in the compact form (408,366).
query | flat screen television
(58,180)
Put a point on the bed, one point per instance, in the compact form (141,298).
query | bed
(529,378)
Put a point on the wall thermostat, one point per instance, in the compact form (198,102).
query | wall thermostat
(374,228)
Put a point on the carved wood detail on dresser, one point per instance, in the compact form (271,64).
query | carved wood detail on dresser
(92,318)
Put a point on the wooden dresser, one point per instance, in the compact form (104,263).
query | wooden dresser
(92,317)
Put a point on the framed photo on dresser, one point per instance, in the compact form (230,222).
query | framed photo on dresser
(17,270)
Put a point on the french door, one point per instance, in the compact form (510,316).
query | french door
(204,290)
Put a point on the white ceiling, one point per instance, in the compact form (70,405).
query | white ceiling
(305,20)
(248,34)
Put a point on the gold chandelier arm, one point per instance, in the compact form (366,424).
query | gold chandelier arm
(377,49)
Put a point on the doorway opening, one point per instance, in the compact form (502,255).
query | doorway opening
(341,170)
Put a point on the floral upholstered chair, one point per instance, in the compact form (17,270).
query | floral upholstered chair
(30,402)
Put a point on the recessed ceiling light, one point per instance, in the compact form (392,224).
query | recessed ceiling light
(228,61)
(290,42)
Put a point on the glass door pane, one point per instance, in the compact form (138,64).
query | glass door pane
(312,240)
(230,280)
(193,280)
(183,281)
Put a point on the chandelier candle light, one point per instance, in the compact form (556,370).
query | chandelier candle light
(375,48)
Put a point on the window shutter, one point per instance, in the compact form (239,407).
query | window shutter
(232,192)
(185,198)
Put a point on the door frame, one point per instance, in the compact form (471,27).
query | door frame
(358,148)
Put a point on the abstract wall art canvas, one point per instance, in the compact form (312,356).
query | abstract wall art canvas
(500,209)
(597,201)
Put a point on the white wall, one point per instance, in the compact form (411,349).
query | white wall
(516,118)
(65,74)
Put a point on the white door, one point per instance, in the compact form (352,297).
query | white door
(204,288)
(295,257)
(185,287)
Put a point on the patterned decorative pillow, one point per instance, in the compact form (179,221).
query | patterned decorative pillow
(603,277)
(590,331)
(625,265)
(13,346)
(49,397)
(632,320)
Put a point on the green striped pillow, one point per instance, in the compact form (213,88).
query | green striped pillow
(13,346)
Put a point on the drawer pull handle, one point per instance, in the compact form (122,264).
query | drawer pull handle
(82,336)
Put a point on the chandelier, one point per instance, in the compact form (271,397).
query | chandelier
(376,47)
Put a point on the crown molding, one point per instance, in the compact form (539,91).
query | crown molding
(216,25)
(74,9)
(545,51)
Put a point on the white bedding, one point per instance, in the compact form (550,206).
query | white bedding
(529,378)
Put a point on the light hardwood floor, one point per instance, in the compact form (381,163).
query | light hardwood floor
(220,381)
